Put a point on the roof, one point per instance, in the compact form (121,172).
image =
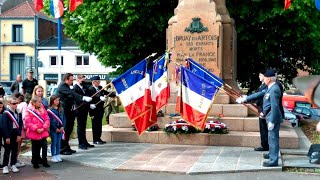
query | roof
(23,10)
(53,43)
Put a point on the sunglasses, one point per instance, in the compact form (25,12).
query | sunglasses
(14,103)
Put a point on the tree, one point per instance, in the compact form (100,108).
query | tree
(271,37)
(120,32)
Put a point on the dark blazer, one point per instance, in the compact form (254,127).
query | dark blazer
(67,96)
(95,99)
(7,124)
(271,107)
(258,96)
(84,108)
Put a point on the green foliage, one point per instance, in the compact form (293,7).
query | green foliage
(120,32)
(271,37)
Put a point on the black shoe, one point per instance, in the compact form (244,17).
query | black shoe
(65,152)
(89,145)
(103,142)
(83,147)
(46,165)
(265,156)
(36,166)
(1,166)
(261,149)
(71,150)
(98,142)
(267,164)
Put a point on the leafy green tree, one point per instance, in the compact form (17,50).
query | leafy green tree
(271,37)
(120,32)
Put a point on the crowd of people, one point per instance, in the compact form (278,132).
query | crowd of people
(28,115)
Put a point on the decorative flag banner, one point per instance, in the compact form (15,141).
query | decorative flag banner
(317,2)
(197,95)
(160,85)
(287,4)
(133,88)
(38,5)
(56,8)
(74,4)
(203,72)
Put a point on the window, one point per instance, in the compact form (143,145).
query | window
(82,60)
(17,33)
(54,60)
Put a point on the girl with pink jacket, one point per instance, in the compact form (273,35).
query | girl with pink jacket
(37,123)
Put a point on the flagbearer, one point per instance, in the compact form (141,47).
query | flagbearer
(96,110)
(11,124)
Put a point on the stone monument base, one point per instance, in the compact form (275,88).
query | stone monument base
(243,132)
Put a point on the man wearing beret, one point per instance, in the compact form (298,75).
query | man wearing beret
(273,114)
(96,110)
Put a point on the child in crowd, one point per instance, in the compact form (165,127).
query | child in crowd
(38,91)
(2,108)
(21,109)
(37,123)
(11,125)
(57,123)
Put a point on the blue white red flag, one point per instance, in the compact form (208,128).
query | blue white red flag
(160,85)
(203,72)
(197,95)
(56,8)
(133,88)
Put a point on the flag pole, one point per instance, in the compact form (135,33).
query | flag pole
(59,50)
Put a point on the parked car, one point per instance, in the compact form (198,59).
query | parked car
(307,113)
(291,117)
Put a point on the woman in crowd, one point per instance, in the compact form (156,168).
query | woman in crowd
(37,123)
(57,123)
(38,91)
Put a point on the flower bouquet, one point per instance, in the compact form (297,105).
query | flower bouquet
(216,127)
(180,126)
(154,127)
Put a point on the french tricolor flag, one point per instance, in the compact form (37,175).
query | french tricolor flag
(133,88)
(56,8)
(197,96)
(203,72)
(160,84)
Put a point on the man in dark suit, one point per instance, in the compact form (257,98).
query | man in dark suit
(67,98)
(272,112)
(258,98)
(82,112)
(96,110)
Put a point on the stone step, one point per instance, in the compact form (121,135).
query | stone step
(228,110)
(120,120)
(288,137)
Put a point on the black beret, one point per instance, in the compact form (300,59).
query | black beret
(270,73)
(95,78)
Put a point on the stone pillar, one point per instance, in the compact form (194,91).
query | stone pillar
(204,31)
